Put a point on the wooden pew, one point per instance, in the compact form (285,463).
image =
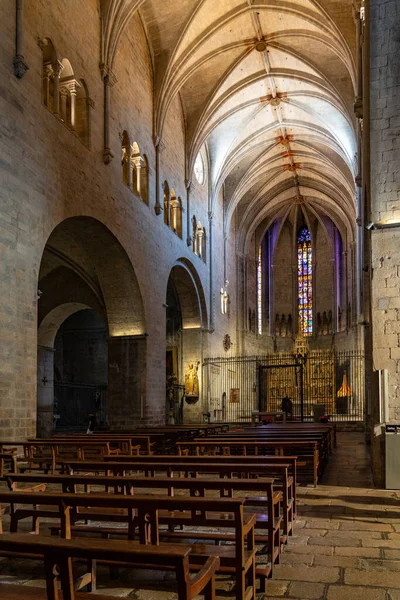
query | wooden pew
(305,450)
(8,463)
(47,454)
(171,469)
(117,441)
(267,501)
(292,429)
(147,512)
(58,553)
(271,432)
(290,461)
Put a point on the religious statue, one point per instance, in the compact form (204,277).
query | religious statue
(192,380)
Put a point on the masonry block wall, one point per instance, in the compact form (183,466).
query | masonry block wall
(48,176)
(385,192)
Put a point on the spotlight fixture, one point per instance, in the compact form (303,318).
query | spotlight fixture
(388,225)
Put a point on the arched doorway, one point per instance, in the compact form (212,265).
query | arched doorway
(80,371)
(91,336)
(186,318)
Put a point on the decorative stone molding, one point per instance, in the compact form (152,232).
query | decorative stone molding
(109,80)
(20,66)
(159,146)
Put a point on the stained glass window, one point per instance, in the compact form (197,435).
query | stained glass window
(259,292)
(304,281)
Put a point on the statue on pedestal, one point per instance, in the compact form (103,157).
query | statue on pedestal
(192,382)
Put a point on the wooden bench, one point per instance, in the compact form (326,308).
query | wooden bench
(58,553)
(8,462)
(322,440)
(147,513)
(171,469)
(117,441)
(320,431)
(291,461)
(267,501)
(307,451)
(47,454)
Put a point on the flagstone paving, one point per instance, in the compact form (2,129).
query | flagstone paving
(346,543)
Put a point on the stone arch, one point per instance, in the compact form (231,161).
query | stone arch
(191,294)
(88,248)
(126,159)
(84,266)
(167,198)
(189,342)
(52,322)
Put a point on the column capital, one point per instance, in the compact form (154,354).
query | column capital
(189,185)
(57,68)
(158,143)
(20,66)
(137,161)
(70,84)
(107,75)
(48,70)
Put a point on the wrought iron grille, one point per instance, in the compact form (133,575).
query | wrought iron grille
(75,402)
(324,382)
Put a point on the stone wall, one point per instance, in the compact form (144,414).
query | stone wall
(47,175)
(385,192)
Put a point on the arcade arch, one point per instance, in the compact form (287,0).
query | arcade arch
(186,319)
(86,280)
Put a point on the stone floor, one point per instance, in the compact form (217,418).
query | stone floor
(346,544)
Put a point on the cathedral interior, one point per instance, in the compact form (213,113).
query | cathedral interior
(200,216)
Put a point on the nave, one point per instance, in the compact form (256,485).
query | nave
(344,543)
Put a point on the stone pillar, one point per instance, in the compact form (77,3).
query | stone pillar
(159,146)
(20,66)
(47,75)
(63,96)
(211,271)
(189,188)
(45,391)
(73,87)
(57,68)
(126,396)
(109,80)
(137,163)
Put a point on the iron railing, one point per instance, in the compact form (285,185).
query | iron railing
(328,382)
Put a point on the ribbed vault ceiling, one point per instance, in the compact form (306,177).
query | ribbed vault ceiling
(269,87)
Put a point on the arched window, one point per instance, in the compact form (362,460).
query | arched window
(126,160)
(63,94)
(259,291)
(199,169)
(136,166)
(144,180)
(204,246)
(51,66)
(194,234)
(199,241)
(304,281)
(176,213)
(166,204)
